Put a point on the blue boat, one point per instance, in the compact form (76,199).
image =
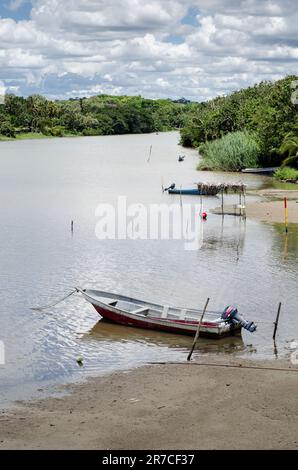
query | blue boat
(189,192)
(200,190)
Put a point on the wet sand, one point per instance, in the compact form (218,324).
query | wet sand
(270,208)
(171,406)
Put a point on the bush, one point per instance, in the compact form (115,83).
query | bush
(232,152)
(7,129)
(57,131)
(91,132)
(286,173)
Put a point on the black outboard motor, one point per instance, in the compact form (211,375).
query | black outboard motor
(230,314)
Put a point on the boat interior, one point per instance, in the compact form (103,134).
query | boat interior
(147,310)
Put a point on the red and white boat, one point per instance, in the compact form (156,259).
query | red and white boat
(137,313)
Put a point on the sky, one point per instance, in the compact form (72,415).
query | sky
(197,49)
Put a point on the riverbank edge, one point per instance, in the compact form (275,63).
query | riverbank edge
(247,405)
(36,136)
(270,207)
(40,136)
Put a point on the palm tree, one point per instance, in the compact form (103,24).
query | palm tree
(290,146)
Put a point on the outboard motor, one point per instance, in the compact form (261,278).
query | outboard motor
(230,314)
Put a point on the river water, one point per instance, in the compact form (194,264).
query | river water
(44,184)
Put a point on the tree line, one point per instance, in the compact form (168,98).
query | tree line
(259,123)
(99,115)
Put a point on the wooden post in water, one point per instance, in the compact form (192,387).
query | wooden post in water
(150,153)
(222,202)
(276,321)
(286,214)
(198,331)
(244,202)
(71,226)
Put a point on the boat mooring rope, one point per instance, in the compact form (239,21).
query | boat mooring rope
(45,307)
(235,366)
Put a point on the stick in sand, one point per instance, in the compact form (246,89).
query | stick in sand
(198,331)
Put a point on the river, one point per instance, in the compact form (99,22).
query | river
(44,184)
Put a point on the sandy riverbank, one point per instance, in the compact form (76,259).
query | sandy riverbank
(270,208)
(164,407)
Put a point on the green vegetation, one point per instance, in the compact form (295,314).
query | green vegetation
(100,115)
(287,173)
(231,152)
(264,112)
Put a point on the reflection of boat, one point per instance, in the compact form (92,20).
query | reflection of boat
(132,312)
(104,330)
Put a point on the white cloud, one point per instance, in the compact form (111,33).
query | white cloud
(77,47)
(16,4)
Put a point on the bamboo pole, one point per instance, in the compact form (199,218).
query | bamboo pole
(198,331)
(276,321)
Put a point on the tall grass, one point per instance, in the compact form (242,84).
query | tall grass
(232,152)
(286,173)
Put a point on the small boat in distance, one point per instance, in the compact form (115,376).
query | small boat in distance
(181,158)
(137,313)
(260,171)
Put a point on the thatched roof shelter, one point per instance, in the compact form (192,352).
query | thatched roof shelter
(215,188)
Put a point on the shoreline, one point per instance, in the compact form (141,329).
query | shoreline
(171,406)
(270,208)
(40,136)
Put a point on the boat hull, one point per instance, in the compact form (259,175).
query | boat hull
(192,192)
(206,331)
(139,314)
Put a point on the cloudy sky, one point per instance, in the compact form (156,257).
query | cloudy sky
(156,48)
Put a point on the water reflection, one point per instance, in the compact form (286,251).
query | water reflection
(286,244)
(105,331)
(230,239)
